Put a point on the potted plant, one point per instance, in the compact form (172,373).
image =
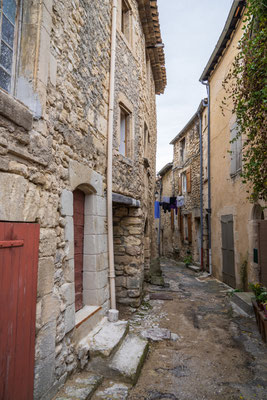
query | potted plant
(188,260)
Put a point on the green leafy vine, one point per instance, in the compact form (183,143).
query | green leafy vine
(246,86)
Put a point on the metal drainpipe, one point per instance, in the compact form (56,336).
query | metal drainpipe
(209,191)
(109,161)
(201,189)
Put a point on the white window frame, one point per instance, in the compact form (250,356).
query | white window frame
(184,184)
(16,40)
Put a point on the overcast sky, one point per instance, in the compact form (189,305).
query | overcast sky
(190,30)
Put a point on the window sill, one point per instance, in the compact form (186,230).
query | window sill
(236,174)
(15,111)
(125,160)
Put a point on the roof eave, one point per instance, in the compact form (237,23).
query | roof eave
(233,18)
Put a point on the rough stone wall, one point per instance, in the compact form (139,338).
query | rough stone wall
(129,254)
(167,247)
(192,199)
(36,167)
(133,176)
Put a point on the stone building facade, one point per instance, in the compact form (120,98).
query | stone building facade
(182,230)
(54,101)
(167,219)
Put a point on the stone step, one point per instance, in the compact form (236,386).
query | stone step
(243,300)
(111,390)
(80,386)
(104,341)
(130,357)
(194,268)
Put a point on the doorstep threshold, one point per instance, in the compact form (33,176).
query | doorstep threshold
(85,313)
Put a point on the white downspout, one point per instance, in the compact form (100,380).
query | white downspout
(109,161)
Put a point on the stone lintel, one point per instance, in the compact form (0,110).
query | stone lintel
(128,201)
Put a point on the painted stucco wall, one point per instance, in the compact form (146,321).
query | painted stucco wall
(228,194)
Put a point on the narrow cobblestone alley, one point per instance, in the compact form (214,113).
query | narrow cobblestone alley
(218,354)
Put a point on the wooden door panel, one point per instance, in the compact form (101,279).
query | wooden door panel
(78,220)
(18,292)
(228,255)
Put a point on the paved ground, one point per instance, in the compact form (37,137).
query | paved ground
(218,355)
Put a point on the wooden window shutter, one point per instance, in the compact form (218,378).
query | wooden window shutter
(172,219)
(180,185)
(188,180)
(189,222)
(182,227)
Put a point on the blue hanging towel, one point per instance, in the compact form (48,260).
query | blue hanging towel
(157,209)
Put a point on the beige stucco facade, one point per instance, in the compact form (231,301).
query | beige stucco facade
(229,196)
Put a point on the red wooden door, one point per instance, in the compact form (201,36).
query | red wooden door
(78,219)
(19,244)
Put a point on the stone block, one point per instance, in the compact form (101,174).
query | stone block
(53,70)
(48,242)
(132,221)
(43,62)
(69,271)
(69,318)
(95,225)
(50,309)
(121,281)
(96,296)
(90,245)
(80,174)
(66,203)
(90,263)
(133,282)
(95,280)
(68,293)
(135,293)
(45,276)
(13,189)
(95,205)
(45,341)
(15,111)
(95,244)
(43,375)
(69,229)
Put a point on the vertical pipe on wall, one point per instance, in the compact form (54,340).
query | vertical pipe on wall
(201,186)
(209,188)
(110,153)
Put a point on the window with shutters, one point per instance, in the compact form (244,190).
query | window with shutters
(188,180)
(187,227)
(185,224)
(184,182)
(235,151)
(9,10)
